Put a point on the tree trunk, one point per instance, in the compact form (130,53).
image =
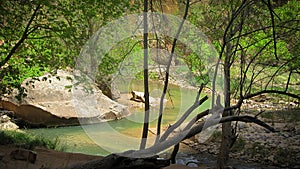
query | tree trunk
(224,151)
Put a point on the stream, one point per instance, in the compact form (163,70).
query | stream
(124,134)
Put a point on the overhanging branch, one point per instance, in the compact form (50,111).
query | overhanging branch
(26,32)
(272,91)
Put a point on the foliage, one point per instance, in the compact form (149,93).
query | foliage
(28,141)
(257,49)
(40,36)
(250,35)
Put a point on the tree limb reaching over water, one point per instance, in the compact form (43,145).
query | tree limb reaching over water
(127,159)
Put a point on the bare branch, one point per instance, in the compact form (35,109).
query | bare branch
(275,73)
(273,26)
(272,91)
(248,96)
(167,71)
(288,81)
(184,116)
(247,119)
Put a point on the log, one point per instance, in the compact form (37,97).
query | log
(115,161)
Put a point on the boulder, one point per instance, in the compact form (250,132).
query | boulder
(6,124)
(63,99)
(24,154)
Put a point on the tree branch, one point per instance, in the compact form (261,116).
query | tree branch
(184,116)
(272,91)
(23,38)
(248,96)
(167,71)
(247,119)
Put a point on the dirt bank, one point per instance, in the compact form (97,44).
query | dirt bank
(50,159)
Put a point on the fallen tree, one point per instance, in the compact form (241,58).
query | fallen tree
(128,160)
(148,158)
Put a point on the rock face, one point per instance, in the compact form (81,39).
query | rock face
(63,99)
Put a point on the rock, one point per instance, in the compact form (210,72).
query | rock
(292,104)
(285,135)
(8,126)
(62,100)
(110,90)
(260,98)
(289,127)
(161,56)
(4,119)
(25,155)
(297,132)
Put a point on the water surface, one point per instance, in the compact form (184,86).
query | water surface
(123,134)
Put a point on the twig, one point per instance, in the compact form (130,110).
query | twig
(259,113)
(174,153)
(167,72)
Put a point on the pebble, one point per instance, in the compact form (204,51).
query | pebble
(263,137)
(269,144)
(285,135)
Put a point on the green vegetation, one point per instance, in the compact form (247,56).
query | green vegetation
(239,144)
(257,42)
(257,61)
(28,141)
(44,35)
(258,149)
(286,116)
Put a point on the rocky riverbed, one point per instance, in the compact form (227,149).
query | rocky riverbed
(255,144)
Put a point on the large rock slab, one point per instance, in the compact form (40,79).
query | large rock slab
(63,99)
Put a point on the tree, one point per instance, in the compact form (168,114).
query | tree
(244,38)
(42,36)
(249,46)
(244,44)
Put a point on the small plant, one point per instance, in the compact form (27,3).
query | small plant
(239,144)
(287,156)
(217,135)
(259,150)
(28,141)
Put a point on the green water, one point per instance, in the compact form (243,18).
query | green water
(124,134)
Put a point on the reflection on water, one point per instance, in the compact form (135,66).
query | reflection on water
(124,134)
